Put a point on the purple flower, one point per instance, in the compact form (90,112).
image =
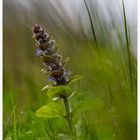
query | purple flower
(38,52)
(52,61)
(51,79)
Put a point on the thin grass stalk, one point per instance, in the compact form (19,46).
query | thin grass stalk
(100,57)
(123,59)
(127,45)
(92,27)
(50,123)
(8,120)
(14,119)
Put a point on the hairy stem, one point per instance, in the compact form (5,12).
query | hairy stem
(68,114)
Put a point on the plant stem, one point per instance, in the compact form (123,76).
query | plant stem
(68,114)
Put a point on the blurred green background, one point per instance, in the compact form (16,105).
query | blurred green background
(109,87)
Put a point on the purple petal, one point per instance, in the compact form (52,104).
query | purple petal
(38,52)
(51,79)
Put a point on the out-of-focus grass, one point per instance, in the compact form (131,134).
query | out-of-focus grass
(109,110)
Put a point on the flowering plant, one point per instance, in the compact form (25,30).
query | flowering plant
(59,81)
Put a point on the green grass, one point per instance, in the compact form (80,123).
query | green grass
(105,101)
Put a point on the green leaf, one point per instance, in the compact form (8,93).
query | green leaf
(51,110)
(58,91)
(75,79)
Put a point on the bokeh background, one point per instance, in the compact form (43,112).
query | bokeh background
(110,72)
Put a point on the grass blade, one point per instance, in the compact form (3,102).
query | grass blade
(9,118)
(127,45)
(14,119)
(92,27)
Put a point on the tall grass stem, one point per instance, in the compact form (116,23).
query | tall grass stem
(92,27)
(14,119)
(9,118)
(127,45)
